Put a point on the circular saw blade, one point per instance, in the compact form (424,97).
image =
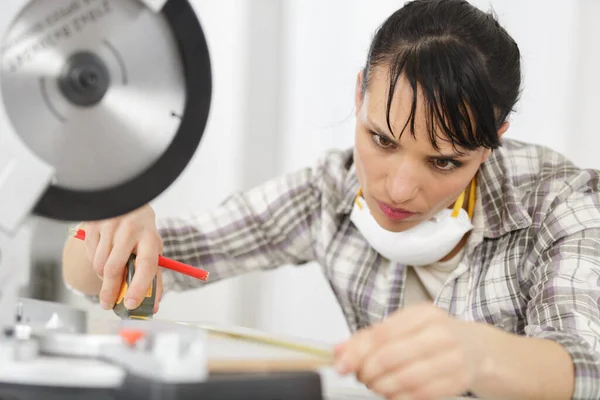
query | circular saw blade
(96,84)
(113,95)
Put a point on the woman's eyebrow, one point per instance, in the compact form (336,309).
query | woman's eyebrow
(377,128)
(454,154)
(384,132)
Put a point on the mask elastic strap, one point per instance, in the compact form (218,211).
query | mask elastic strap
(461,200)
(458,204)
(356,198)
(472,195)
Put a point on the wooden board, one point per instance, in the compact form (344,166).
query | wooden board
(234,348)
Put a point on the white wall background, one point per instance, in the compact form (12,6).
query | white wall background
(285,72)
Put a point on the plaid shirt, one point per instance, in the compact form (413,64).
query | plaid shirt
(531,265)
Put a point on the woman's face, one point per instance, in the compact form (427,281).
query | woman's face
(406,181)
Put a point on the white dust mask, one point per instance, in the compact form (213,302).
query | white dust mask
(425,243)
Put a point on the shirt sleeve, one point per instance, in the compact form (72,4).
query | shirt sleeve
(564,301)
(269,226)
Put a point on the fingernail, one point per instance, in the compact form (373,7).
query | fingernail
(130,304)
(105,305)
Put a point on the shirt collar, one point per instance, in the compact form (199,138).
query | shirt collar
(501,203)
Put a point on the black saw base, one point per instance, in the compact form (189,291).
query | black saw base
(242,386)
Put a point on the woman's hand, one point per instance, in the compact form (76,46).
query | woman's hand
(109,244)
(417,353)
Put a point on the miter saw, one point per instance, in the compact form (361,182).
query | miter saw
(104,102)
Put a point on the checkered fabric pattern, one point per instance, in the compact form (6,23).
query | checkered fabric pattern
(531,265)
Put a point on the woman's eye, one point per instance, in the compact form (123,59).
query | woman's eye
(446,165)
(382,141)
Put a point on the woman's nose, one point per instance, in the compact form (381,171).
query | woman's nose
(403,184)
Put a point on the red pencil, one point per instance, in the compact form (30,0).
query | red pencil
(167,263)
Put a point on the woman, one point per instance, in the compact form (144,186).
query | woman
(463,262)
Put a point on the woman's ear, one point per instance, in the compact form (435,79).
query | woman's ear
(503,128)
(358,95)
(501,131)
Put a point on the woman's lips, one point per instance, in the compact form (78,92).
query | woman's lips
(395,214)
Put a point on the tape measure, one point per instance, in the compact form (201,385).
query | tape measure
(145,310)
